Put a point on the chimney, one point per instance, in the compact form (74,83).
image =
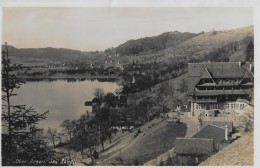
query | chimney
(239,63)
(250,67)
(226,132)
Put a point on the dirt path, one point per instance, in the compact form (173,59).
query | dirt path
(127,141)
(192,128)
(192,125)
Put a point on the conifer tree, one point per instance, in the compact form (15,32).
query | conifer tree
(22,142)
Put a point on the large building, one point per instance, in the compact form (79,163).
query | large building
(219,87)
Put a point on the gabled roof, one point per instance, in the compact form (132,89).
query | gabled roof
(222,70)
(206,74)
(194,146)
(220,124)
(211,132)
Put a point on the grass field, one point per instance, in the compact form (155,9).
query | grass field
(151,145)
(240,153)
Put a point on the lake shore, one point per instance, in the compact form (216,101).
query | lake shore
(73,77)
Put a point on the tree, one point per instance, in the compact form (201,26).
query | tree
(52,134)
(183,86)
(110,98)
(250,52)
(67,127)
(99,92)
(21,136)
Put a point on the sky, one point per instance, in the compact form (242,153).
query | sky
(99,28)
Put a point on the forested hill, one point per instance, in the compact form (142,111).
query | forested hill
(216,46)
(156,43)
(47,55)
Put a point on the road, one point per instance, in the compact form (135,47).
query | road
(192,124)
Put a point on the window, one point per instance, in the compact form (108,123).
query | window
(197,106)
(232,106)
(226,106)
(241,106)
(213,106)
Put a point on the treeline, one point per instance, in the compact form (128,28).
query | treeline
(151,74)
(155,43)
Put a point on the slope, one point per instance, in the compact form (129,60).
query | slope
(240,153)
(34,56)
(155,138)
(214,44)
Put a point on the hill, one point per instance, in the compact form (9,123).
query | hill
(171,47)
(228,45)
(239,153)
(36,56)
(150,44)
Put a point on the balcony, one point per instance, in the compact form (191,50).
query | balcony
(220,92)
(206,100)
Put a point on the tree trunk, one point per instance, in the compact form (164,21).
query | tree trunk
(6,71)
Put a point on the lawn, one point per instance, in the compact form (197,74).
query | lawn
(153,144)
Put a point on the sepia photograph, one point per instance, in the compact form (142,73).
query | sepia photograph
(127,86)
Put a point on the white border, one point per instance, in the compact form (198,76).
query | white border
(128,3)
(166,3)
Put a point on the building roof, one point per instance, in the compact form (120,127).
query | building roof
(211,132)
(220,124)
(88,103)
(194,146)
(248,84)
(206,74)
(96,100)
(220,70)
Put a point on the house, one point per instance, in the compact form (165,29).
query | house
(220,124)
(191,151)
(119,66)
(222,87)
(219,135)
(95,103)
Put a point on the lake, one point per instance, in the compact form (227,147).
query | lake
(64,100)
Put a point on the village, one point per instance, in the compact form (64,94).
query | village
(220,96)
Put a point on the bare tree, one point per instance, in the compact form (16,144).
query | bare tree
(53,135)
(67,127)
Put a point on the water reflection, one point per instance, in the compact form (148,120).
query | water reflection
(64,100)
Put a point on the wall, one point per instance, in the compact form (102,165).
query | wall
(228,107)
